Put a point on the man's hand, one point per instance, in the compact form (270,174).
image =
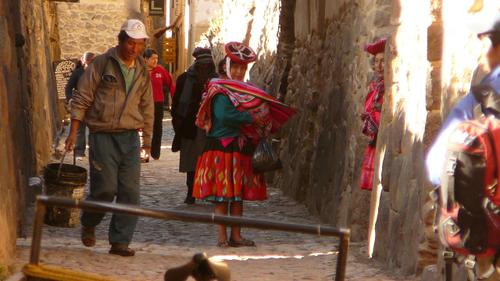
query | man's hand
(70,142)
(71,139)
(147,151)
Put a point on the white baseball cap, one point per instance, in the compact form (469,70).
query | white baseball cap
(135,29)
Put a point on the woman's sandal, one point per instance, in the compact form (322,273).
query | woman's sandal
(223,244)
(241,243)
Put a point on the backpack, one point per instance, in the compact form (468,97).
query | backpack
(468,211)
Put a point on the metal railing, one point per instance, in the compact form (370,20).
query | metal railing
(43,201)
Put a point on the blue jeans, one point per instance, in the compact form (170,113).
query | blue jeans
(81,140)
(114,173)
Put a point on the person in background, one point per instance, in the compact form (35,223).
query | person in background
(236,116)
(188,138)
(371,112)
(159,77)
(221,69)
(114,99)
(71,86)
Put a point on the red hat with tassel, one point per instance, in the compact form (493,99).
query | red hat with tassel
(240,53)
(376,47)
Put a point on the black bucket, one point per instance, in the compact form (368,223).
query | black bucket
(70,183)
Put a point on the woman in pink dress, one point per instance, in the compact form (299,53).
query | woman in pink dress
(372,109)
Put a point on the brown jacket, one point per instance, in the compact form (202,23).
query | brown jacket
(103,103)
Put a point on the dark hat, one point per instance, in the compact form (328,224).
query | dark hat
(149,53)
(376,47)
(240,53)
(202,55)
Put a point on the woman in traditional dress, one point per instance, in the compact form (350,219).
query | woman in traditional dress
(236,116)
(372,109)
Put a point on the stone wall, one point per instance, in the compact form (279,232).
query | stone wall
(27,107)
(8,185)
(93,25)
(202,13)
(41,100)
(431,57)
(252,22)
(400,141)
(89,25)
(323,145)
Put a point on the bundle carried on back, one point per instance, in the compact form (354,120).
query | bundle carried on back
(468,220)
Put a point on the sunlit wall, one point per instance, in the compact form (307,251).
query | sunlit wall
(462,50)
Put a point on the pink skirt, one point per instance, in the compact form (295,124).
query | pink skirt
(366,180)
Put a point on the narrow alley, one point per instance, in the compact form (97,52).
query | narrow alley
(163,244)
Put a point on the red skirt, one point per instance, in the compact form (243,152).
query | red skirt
(366,180)
(226,174)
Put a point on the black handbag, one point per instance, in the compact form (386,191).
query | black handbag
(265,159)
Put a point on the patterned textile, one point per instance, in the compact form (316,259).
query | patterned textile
(226,174)
(367,168)
(371,121)
(371,118)
(269,114)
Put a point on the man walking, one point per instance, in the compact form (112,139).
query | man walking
(114,99)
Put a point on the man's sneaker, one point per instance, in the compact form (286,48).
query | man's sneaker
(121,250)
(88,236)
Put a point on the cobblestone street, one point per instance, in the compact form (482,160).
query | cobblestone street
(163,244)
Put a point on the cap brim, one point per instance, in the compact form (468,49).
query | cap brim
(137,35)
(486,33)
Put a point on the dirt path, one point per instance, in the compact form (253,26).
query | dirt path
(164,244)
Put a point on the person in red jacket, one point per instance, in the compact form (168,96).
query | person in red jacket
(159,77)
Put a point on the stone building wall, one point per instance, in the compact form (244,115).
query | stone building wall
(10,198)
(41,101)
(89,25)
(253,22)
(202,12)
(27,106)
(323,145)
(93,25)
(400,150)
(431,58)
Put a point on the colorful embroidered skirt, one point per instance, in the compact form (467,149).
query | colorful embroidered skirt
(226,174)
(367,168)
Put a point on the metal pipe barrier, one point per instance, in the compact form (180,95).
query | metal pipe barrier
(42,201)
